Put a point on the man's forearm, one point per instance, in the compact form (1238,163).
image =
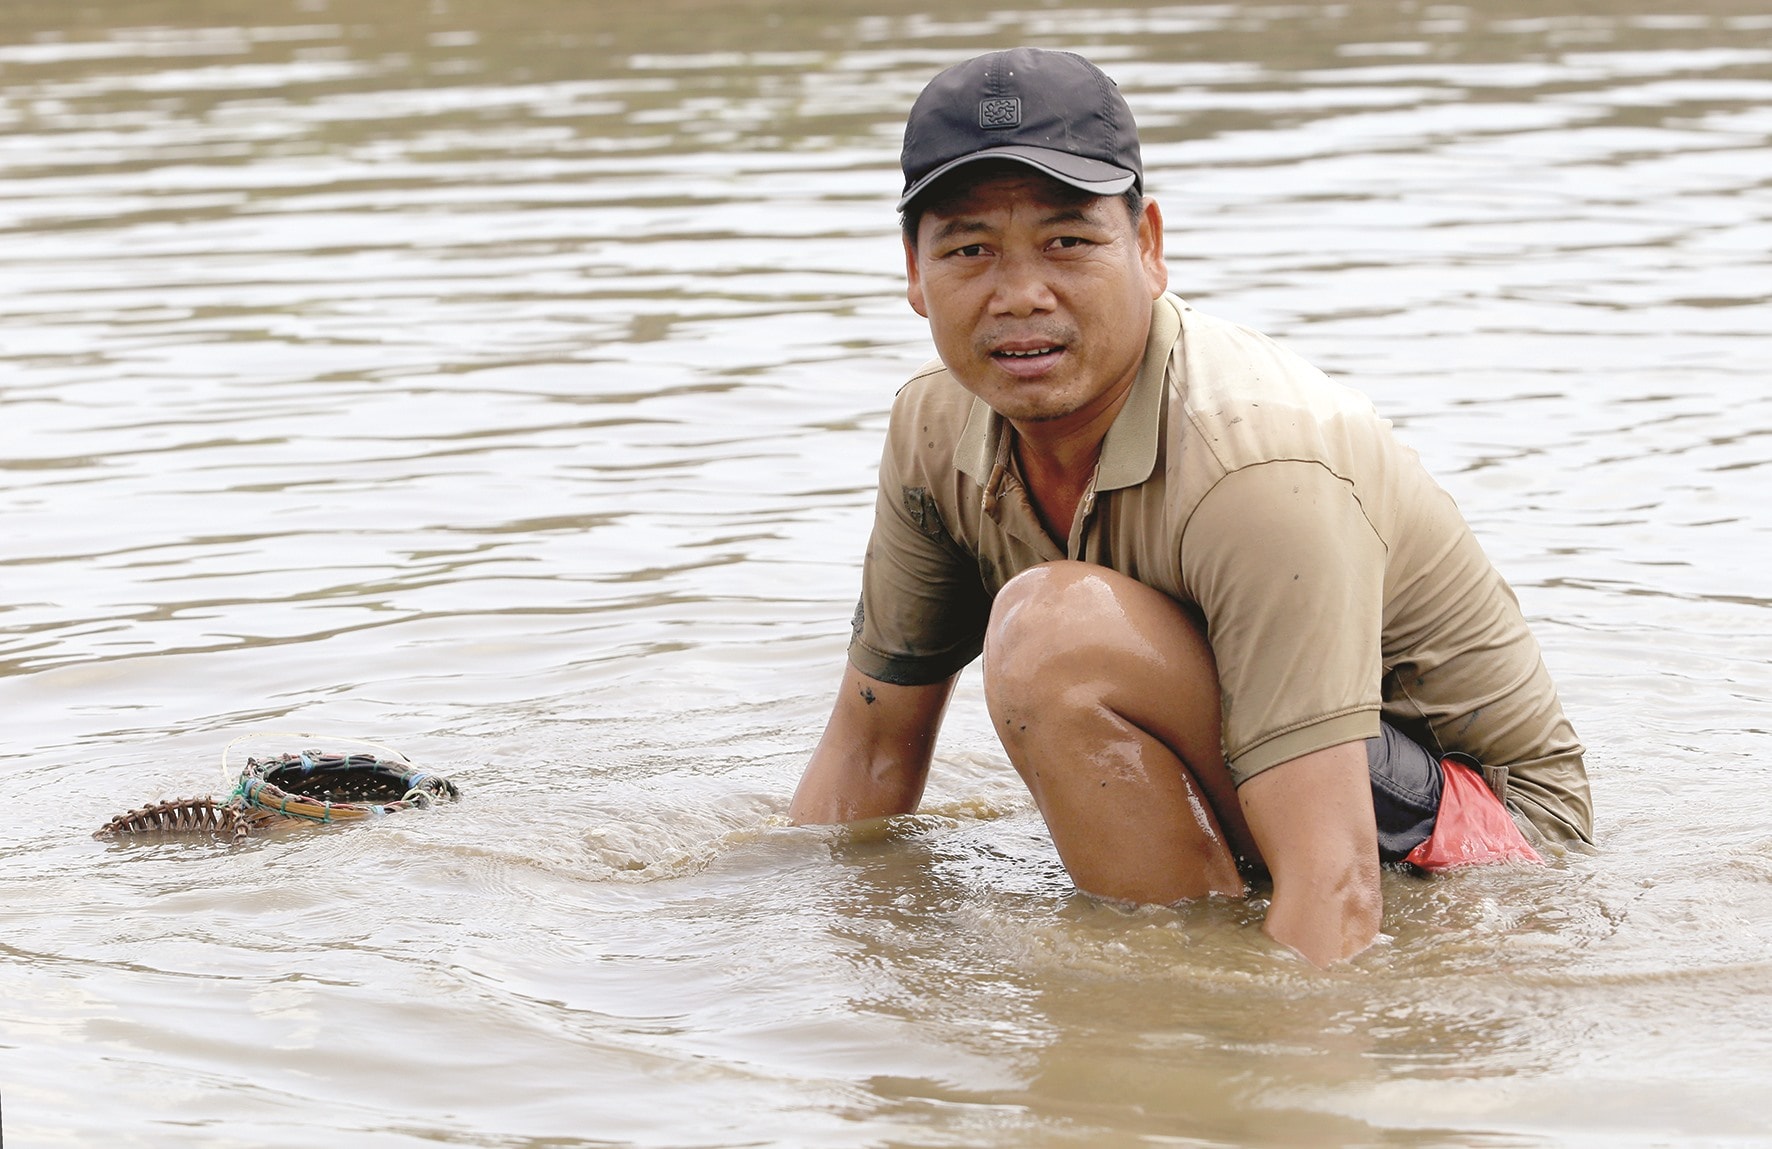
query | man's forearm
(1328,917)
(1312,818)
(837,788)
(874,756)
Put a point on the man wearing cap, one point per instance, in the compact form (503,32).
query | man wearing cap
(1229,623)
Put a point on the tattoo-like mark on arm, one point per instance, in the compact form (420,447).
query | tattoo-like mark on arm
(867,695)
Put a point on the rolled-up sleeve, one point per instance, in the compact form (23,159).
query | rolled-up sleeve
(923,606)
(1289,574)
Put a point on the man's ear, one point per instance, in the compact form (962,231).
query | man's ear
(913,280)
(1150,247)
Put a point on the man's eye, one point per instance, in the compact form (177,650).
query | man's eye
(1070,241)
(970,251)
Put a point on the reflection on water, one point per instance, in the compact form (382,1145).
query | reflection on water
(504,382)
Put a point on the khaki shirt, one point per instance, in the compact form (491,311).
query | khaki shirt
(1337,581)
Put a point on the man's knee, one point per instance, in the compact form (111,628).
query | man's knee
(1046,615)
(1060,625)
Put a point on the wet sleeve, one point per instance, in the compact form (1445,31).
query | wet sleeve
(923,606)
(1290,576)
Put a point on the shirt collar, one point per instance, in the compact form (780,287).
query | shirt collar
(1129,450)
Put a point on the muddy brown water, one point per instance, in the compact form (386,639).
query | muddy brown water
(503,382)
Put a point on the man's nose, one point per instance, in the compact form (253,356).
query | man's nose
(1022,287)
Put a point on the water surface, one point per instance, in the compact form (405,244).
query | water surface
(504,383)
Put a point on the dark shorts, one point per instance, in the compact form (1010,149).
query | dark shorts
(1406,782)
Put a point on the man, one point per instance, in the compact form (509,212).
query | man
(1228,622)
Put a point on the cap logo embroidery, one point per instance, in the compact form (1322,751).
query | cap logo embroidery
(1002,112)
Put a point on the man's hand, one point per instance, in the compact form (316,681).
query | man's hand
(875,753)
(1312,819)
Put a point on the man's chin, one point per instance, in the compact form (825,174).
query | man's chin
(1033,415)
(1016,396)
(1029,410)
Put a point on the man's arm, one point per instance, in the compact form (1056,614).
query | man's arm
(875,753)
(1312,819)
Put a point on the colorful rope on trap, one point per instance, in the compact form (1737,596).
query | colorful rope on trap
(312,786)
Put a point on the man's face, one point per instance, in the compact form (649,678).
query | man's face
(1038,297)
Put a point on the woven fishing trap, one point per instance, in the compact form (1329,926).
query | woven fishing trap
(312,786)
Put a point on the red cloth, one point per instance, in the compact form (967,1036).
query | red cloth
(1472,828)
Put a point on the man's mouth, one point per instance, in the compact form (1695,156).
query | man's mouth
(1027,353)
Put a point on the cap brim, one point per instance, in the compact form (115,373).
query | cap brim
(1079,172)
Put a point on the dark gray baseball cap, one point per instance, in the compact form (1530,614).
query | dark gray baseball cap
(1053,111)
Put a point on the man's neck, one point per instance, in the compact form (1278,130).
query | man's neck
(1057,461)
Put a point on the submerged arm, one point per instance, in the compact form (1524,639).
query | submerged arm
(875,753)
(1312,819)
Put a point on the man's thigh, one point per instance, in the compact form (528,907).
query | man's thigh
(1069,623)
(1075,638)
